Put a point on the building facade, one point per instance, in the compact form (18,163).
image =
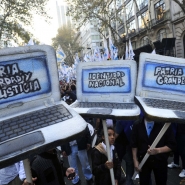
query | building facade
(61,14)
(178,20)
(150,24)
(90,38)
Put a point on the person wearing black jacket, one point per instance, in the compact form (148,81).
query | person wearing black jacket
(48,170)
(100,163)
(78,148)
(143,135)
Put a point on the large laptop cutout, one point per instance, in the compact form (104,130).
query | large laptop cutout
(161,87)
(33,119)
(106,89)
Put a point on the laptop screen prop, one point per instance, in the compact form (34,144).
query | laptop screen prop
(32,113)
(161,77)
(106,80)
(164,77)
(23,78)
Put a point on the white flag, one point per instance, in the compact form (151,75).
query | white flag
(106,53)
(115,57)
(105,50)
(111,46)
(30,42)
(86,58)
(131,52)
(76,59)
(97,55)
(153,52)
(126,52)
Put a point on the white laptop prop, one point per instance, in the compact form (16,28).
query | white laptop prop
(106,89)
(32,117)
(161,87)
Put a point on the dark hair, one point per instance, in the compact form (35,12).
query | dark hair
(73,87)
(102,134)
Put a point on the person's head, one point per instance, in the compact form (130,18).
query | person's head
(111,135)
(73,87)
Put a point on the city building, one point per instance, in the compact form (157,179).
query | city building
(90,38)
(150,24)
(6,42)
(62,8)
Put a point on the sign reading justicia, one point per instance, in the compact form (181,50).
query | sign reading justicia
(14,81)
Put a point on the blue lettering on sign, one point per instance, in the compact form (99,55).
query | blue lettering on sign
(106,80)
(164,76)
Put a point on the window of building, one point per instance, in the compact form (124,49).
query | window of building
(141,21)
(131,26)
(184,45)
(161,34)
(142,3)
(133,45)
(144,41)
(118,3)
(159,9)
(95,37)
(121,31)
(98,44)
(130,9)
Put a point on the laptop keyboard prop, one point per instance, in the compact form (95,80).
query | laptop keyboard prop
(104,105)
(164,104)
(32,121)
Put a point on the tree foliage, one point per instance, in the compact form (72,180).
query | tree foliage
(66,39)
(16,15)
(181,4)
(84,11)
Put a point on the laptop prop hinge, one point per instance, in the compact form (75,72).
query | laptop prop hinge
(143,94)
(50,102)
(127,100)
(84,100)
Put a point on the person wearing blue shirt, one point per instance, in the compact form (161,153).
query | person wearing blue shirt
(13,175)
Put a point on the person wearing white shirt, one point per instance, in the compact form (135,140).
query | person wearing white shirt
(13,175)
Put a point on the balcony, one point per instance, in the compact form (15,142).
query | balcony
(132,33)
(142,5)
(129,16)
(160,18)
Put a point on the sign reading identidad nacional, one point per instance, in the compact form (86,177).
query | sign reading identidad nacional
(106,80)
(165,77)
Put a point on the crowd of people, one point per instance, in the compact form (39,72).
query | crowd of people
(68,91)
(133,140)
(129,141)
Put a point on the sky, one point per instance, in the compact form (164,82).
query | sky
(42,30)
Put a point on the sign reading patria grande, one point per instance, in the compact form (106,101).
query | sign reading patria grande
(164,76)
(106,80)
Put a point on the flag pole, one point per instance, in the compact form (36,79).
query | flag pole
(108,149)
(156,141)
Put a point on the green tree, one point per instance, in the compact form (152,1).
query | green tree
(16,15)
(66,39)
(99,12)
